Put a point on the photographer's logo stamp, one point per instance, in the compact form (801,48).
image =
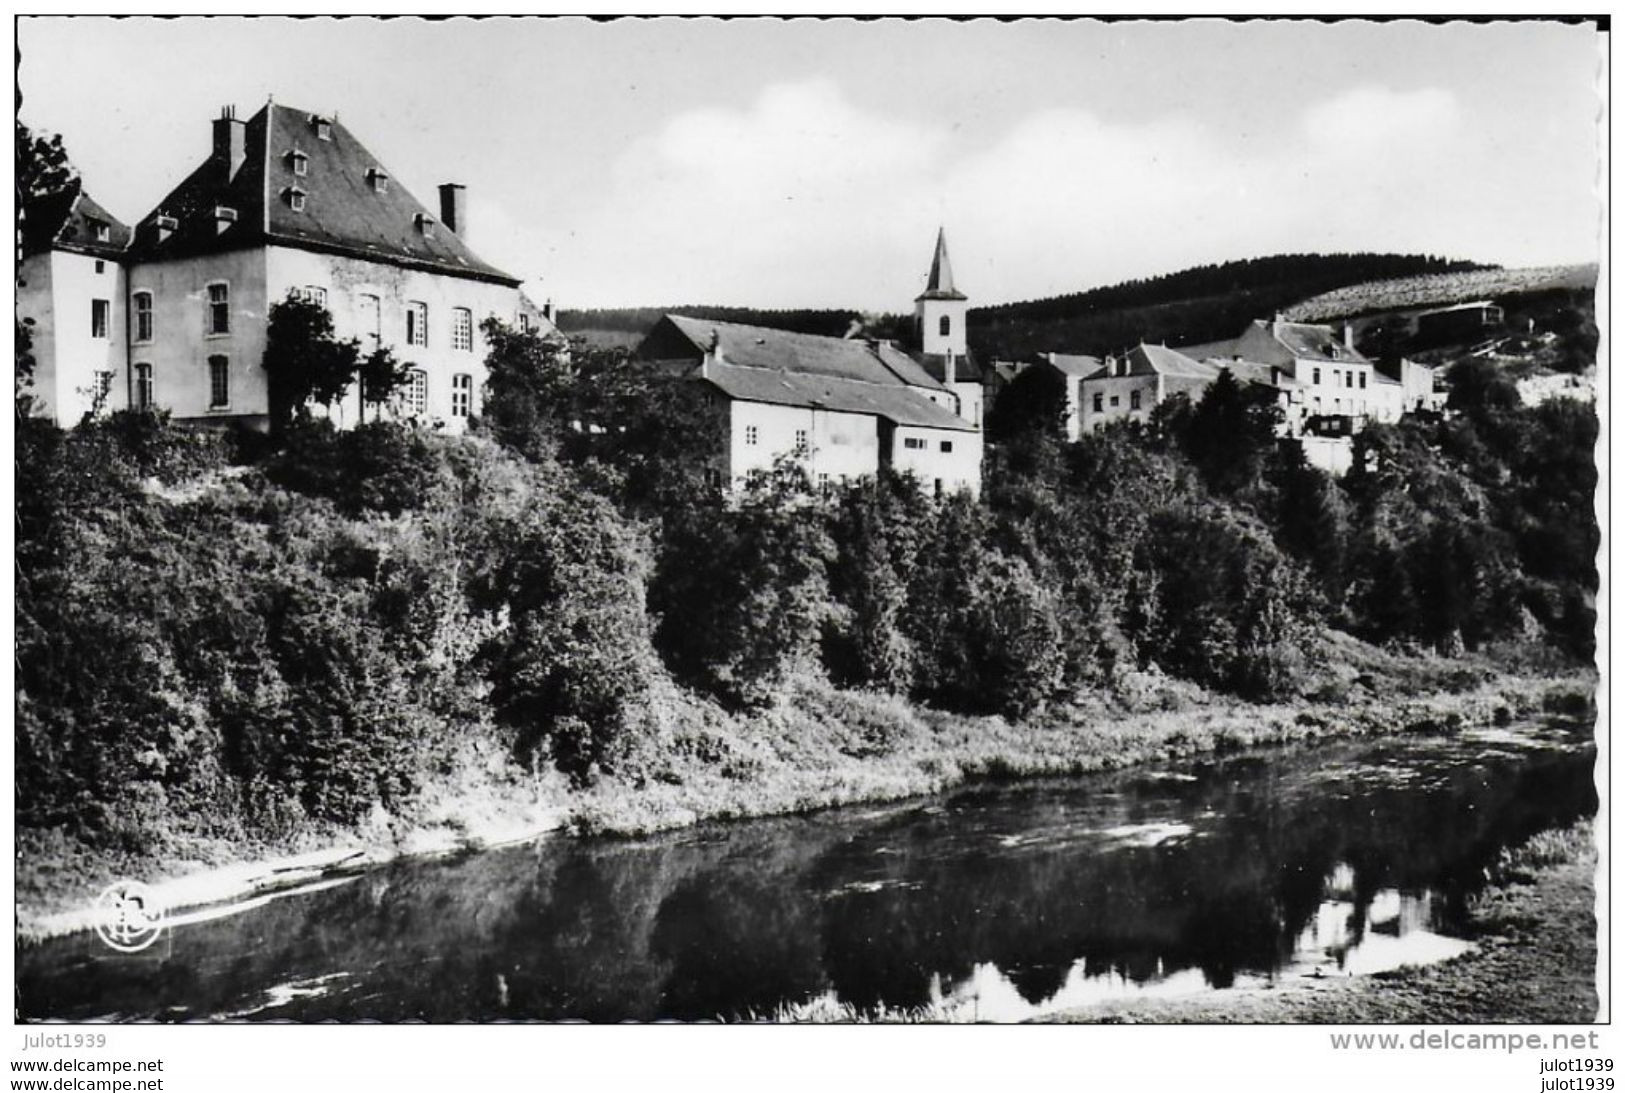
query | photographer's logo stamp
(129,916)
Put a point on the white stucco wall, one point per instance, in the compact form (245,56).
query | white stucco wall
(842,446)
(56,292)
(180,348)
(347,280)
(1337,389)
(1122,389)
(950,457)
(970,401)
(929,314)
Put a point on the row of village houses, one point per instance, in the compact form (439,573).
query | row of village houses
(172,314)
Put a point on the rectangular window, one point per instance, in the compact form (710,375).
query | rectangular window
(751,435)
(1099,402)
(143,387)
(1362,381)
(801,442)
(314,294)
(218,318)
(1116,401)
(219,383)
(417,392)
(1348,379)
(524,323)
(462,395)
(1134,400)
(143,316)
(462,329)
(914,442)
(100,311)
(1317,375)
(417,323)
(947,445)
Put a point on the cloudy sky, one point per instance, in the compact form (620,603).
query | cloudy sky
(799,163)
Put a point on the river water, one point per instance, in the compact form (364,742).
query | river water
(997,902)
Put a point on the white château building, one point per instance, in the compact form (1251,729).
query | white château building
(173,313)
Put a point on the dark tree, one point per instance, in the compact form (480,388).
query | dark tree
(1035,401)
(304,362)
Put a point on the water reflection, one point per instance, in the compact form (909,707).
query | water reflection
(1009,901)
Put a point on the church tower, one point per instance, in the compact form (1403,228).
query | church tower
(939,311)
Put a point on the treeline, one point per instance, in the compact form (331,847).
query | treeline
(221,637)
(827,322)
(1203,303)
(1200,304)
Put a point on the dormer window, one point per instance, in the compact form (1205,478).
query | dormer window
(165,226)
(322,127)
(378,180)
(425,224)
(101,229)
(295,198)
(299,162)
(224,218)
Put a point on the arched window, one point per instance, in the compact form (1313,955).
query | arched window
(944,325)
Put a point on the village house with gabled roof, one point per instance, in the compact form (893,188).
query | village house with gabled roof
(291,201)
(1336,388)
(1326,388)
(842,407)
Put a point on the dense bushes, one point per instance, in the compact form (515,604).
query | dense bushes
(235,658)
(317,634)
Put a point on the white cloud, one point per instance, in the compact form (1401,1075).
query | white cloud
(805,199)
(1367,117)
(775,196)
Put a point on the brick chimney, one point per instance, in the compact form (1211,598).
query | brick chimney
(454,207)
(230,142)
(1348,335)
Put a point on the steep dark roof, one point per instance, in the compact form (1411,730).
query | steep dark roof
(342,212)
(894,402)
(1314,342)
(814,354)
(68,220)
(1146,360)
(940,284)
(760,364)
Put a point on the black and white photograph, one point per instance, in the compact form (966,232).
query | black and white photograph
(552,521)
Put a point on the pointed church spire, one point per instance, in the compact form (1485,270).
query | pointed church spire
(940,285)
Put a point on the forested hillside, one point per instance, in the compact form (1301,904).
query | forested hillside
(1199,304)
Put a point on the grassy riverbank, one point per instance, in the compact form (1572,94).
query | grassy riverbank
(1536,932)
(820,747)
